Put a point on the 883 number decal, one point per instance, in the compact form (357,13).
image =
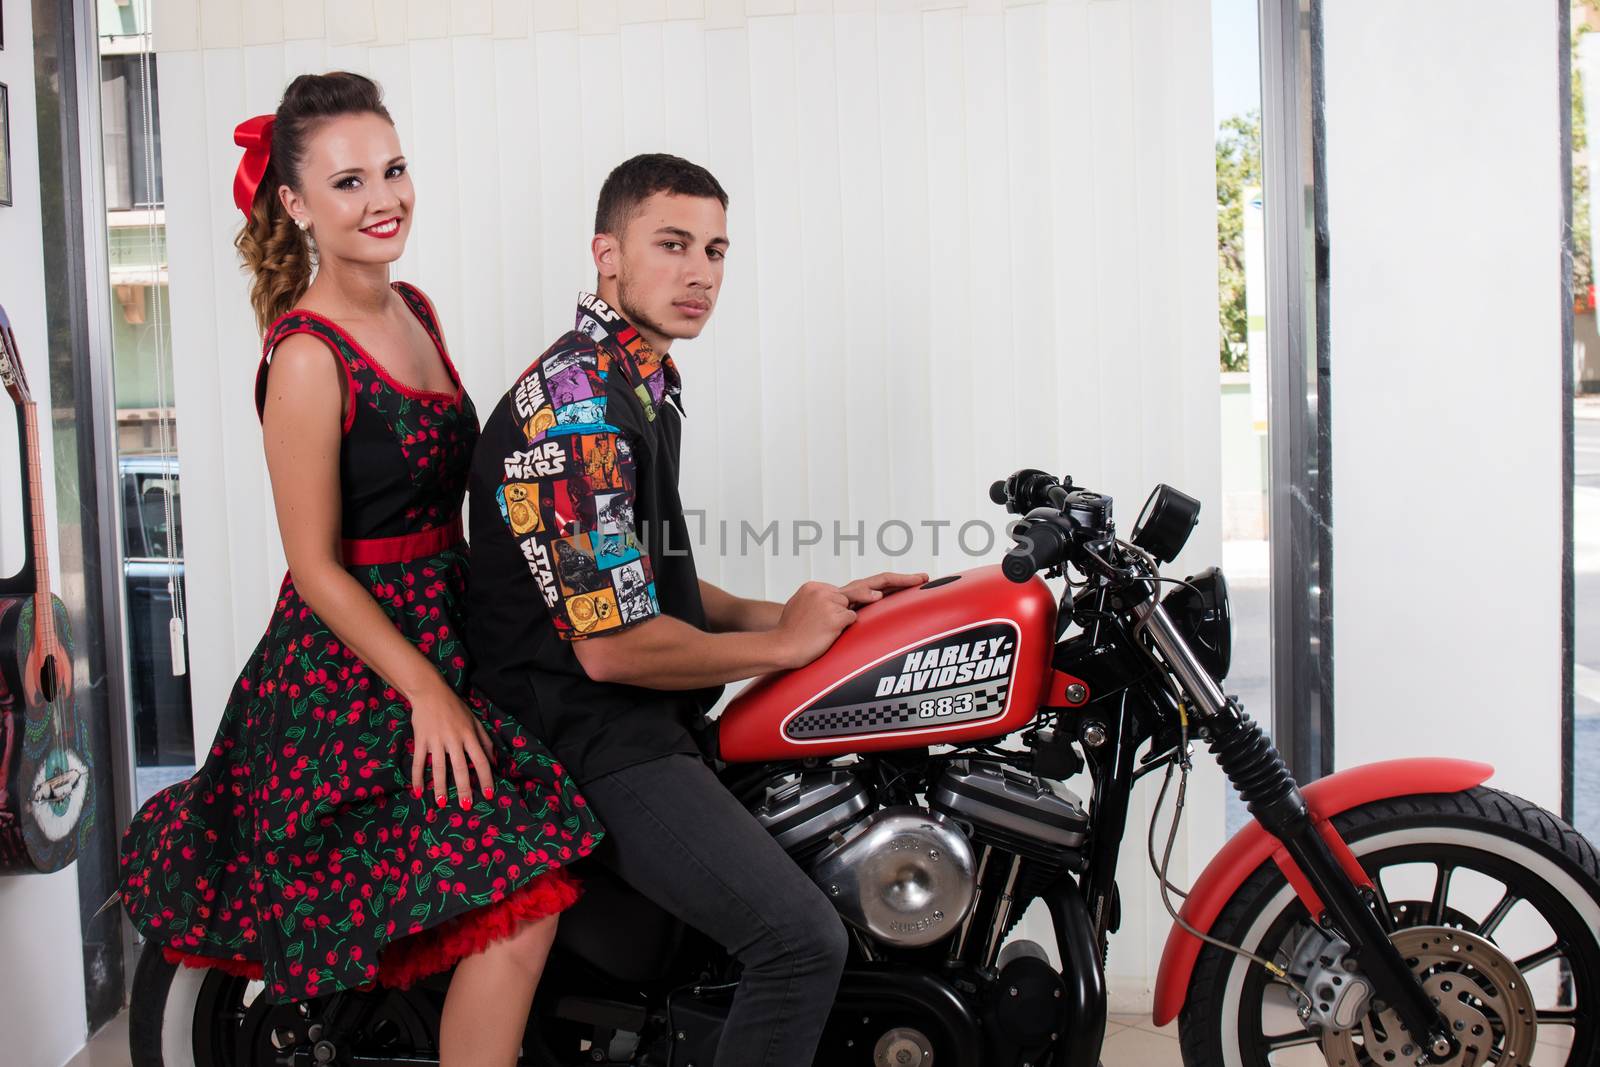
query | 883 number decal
(942,706)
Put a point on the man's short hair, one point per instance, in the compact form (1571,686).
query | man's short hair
(636,180)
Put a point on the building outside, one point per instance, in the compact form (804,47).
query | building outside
(146,440)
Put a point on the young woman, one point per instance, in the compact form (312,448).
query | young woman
(362,815)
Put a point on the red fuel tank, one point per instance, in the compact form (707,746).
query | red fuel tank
(963,657)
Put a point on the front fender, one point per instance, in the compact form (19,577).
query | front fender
(1253,846)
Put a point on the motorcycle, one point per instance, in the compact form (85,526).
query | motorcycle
(1395,913)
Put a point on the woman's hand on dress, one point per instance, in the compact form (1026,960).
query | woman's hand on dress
(444,730)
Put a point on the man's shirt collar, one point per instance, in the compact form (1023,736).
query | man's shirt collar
(641,364)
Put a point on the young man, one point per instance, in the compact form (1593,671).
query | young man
(587,616)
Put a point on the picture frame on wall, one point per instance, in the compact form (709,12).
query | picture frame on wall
(5,146)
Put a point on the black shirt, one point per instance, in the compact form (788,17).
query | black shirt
(577,532)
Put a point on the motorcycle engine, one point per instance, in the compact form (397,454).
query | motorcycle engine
(803,810)
(901,874)
(1014,811)
(905,874)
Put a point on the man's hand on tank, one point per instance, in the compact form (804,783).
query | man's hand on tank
(868,590)
(812,619)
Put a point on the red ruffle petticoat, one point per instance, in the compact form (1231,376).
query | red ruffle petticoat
(411,959)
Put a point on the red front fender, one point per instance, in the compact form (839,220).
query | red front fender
(1253,846)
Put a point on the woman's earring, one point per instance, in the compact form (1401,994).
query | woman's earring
(302,223)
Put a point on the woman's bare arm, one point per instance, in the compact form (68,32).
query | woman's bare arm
(302,430)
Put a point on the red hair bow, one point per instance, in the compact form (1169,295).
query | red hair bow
(255,137)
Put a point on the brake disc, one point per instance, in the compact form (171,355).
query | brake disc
(1479,991)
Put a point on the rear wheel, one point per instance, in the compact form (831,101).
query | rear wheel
(192,1017)
(1493,901)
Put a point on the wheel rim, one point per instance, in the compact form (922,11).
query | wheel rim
(1478,990)
(234,1026)
(1562,975)
(219,1011)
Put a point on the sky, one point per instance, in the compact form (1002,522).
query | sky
(1236,57)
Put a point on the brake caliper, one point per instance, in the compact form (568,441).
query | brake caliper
(1338,993)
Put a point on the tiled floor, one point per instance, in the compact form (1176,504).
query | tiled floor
(1134,1041)
(109,1047)
(1131,1041)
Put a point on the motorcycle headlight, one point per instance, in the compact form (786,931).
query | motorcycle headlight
(1201,614)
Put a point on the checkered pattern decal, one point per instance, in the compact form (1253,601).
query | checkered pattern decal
(988,699)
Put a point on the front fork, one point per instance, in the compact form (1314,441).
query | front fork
(1257,771)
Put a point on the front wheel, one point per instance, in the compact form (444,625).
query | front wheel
(1493,901)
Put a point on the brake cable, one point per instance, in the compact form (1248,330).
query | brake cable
(1181,759)
(1183,764)
(1167,888)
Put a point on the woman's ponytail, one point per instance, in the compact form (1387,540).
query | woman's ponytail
(276,252)
(274,249)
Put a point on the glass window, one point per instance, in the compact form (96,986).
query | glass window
(128,117)
(1242,357)
(150,509)
(147,460)
(1585,786)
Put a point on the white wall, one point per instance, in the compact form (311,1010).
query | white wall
(41,984)
(1444,205)
(968,237)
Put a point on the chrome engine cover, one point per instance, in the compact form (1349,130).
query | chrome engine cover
(902,874)
(802,810)
(1012,810)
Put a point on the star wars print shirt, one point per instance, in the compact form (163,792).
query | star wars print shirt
(577,534)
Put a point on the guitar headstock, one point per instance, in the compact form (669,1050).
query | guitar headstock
(11,374)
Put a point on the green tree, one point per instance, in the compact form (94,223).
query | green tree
(1585,14)
(1238,169)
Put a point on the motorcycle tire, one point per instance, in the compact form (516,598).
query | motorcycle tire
(1236,1015)
(201,1017)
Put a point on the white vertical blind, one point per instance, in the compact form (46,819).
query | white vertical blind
(967,237)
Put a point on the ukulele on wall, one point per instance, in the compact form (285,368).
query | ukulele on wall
(44,770)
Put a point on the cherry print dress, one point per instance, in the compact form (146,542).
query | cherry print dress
(297,853)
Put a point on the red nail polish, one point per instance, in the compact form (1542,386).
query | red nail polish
(416,791)
(440,799)
(465,804)
(488,794)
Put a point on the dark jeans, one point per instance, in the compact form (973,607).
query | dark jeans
(681,839)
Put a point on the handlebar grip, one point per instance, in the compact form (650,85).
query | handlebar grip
(1018,565)
(1038,548)
(1027,489)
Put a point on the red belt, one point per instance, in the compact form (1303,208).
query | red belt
(367,551)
